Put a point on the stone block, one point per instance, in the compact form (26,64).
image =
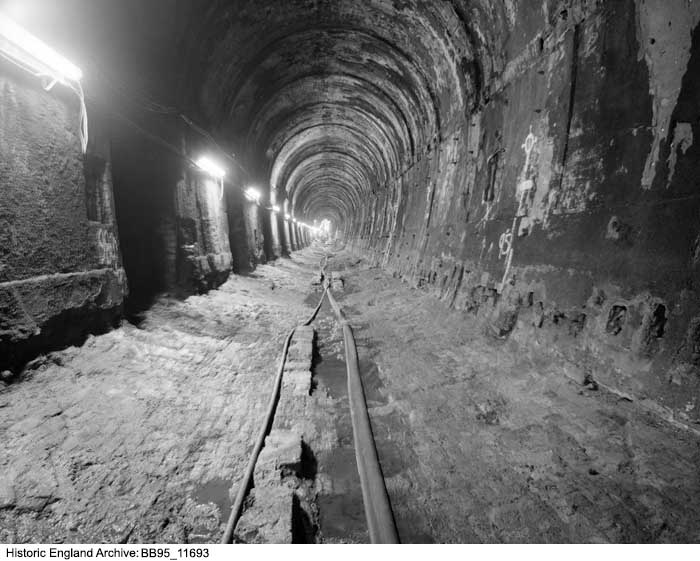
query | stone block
(296,384)
(300,364)
(301,350)
(280,458)
(303,331)
(269,519)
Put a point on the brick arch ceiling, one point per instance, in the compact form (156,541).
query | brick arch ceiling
(328,100)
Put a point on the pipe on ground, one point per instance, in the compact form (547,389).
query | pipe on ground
(380,518)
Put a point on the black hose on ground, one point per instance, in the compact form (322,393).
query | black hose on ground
(245,484)
(378,512)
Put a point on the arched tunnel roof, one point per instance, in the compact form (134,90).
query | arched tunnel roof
(327,101)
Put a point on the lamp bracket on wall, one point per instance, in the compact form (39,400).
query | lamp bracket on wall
(35,57)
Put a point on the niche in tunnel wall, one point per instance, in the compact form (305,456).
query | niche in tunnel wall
(99,195)
(244,227)
(145,182)
(267,241)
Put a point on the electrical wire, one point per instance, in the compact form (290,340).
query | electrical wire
(84,127)
(75,86)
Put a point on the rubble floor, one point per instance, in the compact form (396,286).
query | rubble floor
(141,434)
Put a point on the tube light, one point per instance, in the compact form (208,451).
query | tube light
(207,165)
(287,216)
(33,54)
(252,194)
(275,208)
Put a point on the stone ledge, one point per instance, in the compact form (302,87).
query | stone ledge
(48,312)
(26,305)
(279,470)
(297,380)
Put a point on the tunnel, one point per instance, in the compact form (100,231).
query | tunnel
(457,241)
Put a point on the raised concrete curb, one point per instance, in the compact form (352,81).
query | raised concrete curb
(270,515)
(337,282)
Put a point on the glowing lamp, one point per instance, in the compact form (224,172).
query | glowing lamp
(287,217)
(32,54)
(275,208)
(208,166)
(252,194)
(29,53)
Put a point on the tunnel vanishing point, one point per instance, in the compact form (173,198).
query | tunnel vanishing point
(532,164)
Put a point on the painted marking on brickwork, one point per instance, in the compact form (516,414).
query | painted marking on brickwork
(682,141)
(524,187)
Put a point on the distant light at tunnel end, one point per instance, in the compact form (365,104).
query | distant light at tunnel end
(209,166)
(30,51)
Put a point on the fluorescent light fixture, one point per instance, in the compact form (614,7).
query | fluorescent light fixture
(287,216)
(252,194)
(275,208)
(206,164)
(33,54)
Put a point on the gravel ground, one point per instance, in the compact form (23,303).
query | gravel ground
(484,440)
(138,435)
(141,434)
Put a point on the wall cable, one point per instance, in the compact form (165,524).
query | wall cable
(48,83)
(84,128)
